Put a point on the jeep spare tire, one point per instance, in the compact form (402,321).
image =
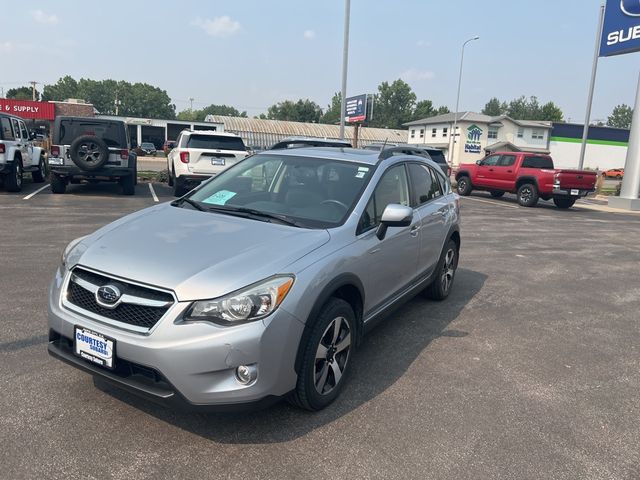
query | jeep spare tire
(89,152)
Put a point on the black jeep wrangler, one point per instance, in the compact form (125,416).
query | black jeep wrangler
(91,150)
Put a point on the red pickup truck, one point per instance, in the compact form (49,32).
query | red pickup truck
(531,176)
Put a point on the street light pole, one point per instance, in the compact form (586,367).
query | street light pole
(455,118)
(345,65)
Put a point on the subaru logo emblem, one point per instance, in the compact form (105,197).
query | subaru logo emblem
(630,7)
(108,296)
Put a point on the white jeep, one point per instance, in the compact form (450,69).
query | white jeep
(18,155)
(202,154)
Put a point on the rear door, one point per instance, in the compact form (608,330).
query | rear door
(211,154)
(431,205)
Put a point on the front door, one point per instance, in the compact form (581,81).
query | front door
(505,173)
(486,171)
(391,262)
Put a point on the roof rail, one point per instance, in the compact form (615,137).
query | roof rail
(389,152)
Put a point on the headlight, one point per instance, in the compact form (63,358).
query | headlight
(65,254)
(252,303)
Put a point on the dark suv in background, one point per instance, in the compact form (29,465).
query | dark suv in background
(433,153)
(91,150)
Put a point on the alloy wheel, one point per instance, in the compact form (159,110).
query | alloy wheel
(448,270)
(526,194)
(89,152)
(332,355)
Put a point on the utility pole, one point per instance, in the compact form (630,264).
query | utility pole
(191,99)
(455,115)
(117,103)
(345,66)
(33,90)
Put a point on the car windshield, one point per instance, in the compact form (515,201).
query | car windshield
(215,142)
(310,192)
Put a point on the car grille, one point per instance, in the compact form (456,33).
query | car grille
(141,307)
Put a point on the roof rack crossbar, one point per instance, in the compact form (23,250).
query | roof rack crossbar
(389,152)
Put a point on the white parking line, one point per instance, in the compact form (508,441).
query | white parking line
(489,201)
(35,193)
(153,192)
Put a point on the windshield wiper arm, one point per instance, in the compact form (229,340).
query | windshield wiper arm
(255,213)
(193,203)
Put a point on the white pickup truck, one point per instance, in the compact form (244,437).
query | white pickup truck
(18,155)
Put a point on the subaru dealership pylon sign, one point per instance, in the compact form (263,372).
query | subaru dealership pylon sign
(621,30)
(356,109)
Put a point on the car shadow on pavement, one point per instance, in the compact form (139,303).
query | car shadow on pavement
(384,356)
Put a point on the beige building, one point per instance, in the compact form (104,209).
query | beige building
(479,134)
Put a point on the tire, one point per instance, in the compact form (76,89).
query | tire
(324,368)
(13,179)
(440,287)
(40,175)
(496,194)
(89,152)
(178,187)
(464,186)
(128,185)
(58,184)
(528,195)
(619,177)
(170,180)
(564,202)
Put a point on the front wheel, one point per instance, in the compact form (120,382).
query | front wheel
(440,287)
(528,195)
(564,203)
(13,180)
(464,186)
(326,356)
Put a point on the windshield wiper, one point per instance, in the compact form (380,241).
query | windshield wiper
(246,212)
(194,204)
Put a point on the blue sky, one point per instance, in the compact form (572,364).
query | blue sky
(251,53)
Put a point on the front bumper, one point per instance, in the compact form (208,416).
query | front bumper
(187,365)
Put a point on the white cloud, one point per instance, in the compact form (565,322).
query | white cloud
(309,34)
(222,26)
(43,17)
(423,43)
(415,74)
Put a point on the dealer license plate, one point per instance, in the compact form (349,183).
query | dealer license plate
(94,347)
(575,192)
(217,161)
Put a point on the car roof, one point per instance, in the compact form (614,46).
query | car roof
(8,115)
(300,141)
(355,155)
(209,132)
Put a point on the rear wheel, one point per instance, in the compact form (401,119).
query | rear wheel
(464,186)
(170,177)
(178,187)
(128,185)
(528,195)
(445,273)
(564,203)
(58,184)
(496,194)
(619,177)
(13,179)
(326,356)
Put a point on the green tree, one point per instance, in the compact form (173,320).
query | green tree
(200,115)
(550,112)
(394,104)
(138,99)
(300,111)
(332,113)
(22,93)
(442,110)
(65,87)
(495,108)
(621,117)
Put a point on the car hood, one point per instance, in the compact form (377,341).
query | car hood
(198,255)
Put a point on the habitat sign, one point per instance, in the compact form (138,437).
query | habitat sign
(474,134)
(621,30)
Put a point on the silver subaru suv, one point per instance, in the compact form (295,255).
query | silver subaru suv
(259,284)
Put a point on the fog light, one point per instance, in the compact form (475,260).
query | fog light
(245,374)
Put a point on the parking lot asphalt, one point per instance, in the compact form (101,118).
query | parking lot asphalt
(531,369)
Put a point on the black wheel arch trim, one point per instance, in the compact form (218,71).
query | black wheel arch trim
(463,173)
(522,180)
(342,280)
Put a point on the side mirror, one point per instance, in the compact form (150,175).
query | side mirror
(32,135)
(479,162)
(395,215)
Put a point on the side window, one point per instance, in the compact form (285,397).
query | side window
(16,128)
(507,160)
(425,184)
(7,131)
(491,161)
(436,188)
(393,187)
(25,132)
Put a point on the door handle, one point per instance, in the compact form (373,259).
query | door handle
(414,230)
(509,171)
(491,169)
